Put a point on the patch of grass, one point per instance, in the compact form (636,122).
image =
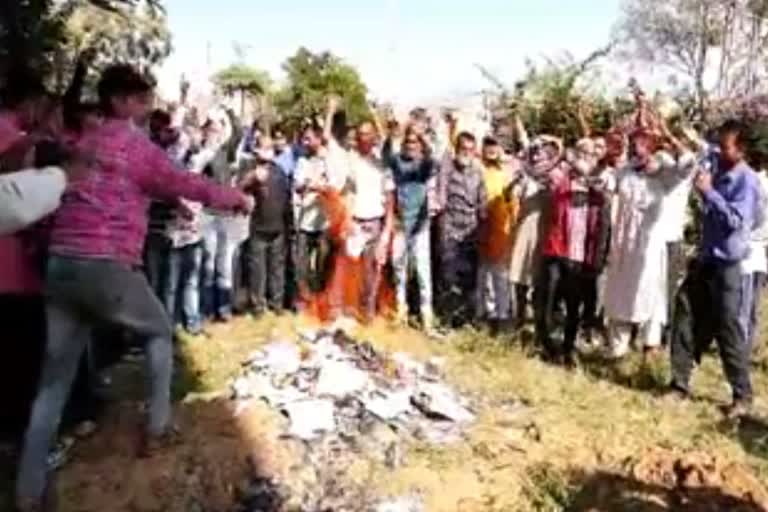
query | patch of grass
(537,425)
(588,419)
(549,489)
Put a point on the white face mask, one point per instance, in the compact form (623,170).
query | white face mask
(464,161)
(580,163)
(582,167)
(659,162)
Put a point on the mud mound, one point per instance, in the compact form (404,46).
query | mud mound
(663,480)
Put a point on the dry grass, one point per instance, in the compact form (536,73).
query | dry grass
(598,418)
(542,432)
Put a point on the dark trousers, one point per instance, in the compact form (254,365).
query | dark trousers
(459,266)
(590,317)
(758,285)
(521,303)
(291,282)
(266,279)
(23,318)
(157,249)
(560,279)
(313,250)
(712,304)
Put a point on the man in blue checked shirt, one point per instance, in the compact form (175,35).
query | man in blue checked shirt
(732,207)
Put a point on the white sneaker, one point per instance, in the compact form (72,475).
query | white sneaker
(616,352)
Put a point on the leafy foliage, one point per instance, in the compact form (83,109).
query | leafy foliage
(240,78)
(243,80)
(45,36)
(549,96)
(311,78)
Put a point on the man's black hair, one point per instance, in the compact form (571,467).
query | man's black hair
(489,140)
(419,113)
(22,87)
(160,117)
(278,130)
(737,129)
(122,80)
(466,136)
(315,128)
(51,153)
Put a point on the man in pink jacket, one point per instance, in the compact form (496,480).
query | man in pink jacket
(93,268)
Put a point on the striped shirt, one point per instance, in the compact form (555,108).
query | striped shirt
(464,200)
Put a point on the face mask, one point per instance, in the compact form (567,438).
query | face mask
(658,162)
(463,161)
(365,146)
(582,166)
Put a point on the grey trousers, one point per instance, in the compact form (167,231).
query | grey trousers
(79,294)
(718,302)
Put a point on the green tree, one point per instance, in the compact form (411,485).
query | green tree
(548,97)
(243,80)
(311,78)
(44,36)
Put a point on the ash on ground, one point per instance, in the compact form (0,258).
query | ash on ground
(344,401)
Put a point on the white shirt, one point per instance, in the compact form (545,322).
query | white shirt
(328,169)
(28,196)
(371,183)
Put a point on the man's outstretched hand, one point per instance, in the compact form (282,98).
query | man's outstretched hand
(246,206)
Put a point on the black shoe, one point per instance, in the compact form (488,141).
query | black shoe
(570,361)
(739,408)
(678,392)
(494,328)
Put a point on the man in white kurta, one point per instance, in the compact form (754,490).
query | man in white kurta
(636,286)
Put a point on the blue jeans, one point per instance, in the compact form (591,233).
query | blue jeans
(81,294)
(412,251)
(184,268)
(219,253)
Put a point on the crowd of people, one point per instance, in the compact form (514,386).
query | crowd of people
(157,220)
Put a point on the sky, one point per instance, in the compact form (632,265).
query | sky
(405,50)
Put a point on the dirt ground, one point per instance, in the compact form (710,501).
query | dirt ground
(598,439)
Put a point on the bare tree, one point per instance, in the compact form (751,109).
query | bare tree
(681,34)
(725,39)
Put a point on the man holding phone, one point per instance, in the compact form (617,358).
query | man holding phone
(732,203)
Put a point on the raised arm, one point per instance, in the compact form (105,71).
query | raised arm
(330,112)
(71,99)
(521,132)
(377,122)
(581,117)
